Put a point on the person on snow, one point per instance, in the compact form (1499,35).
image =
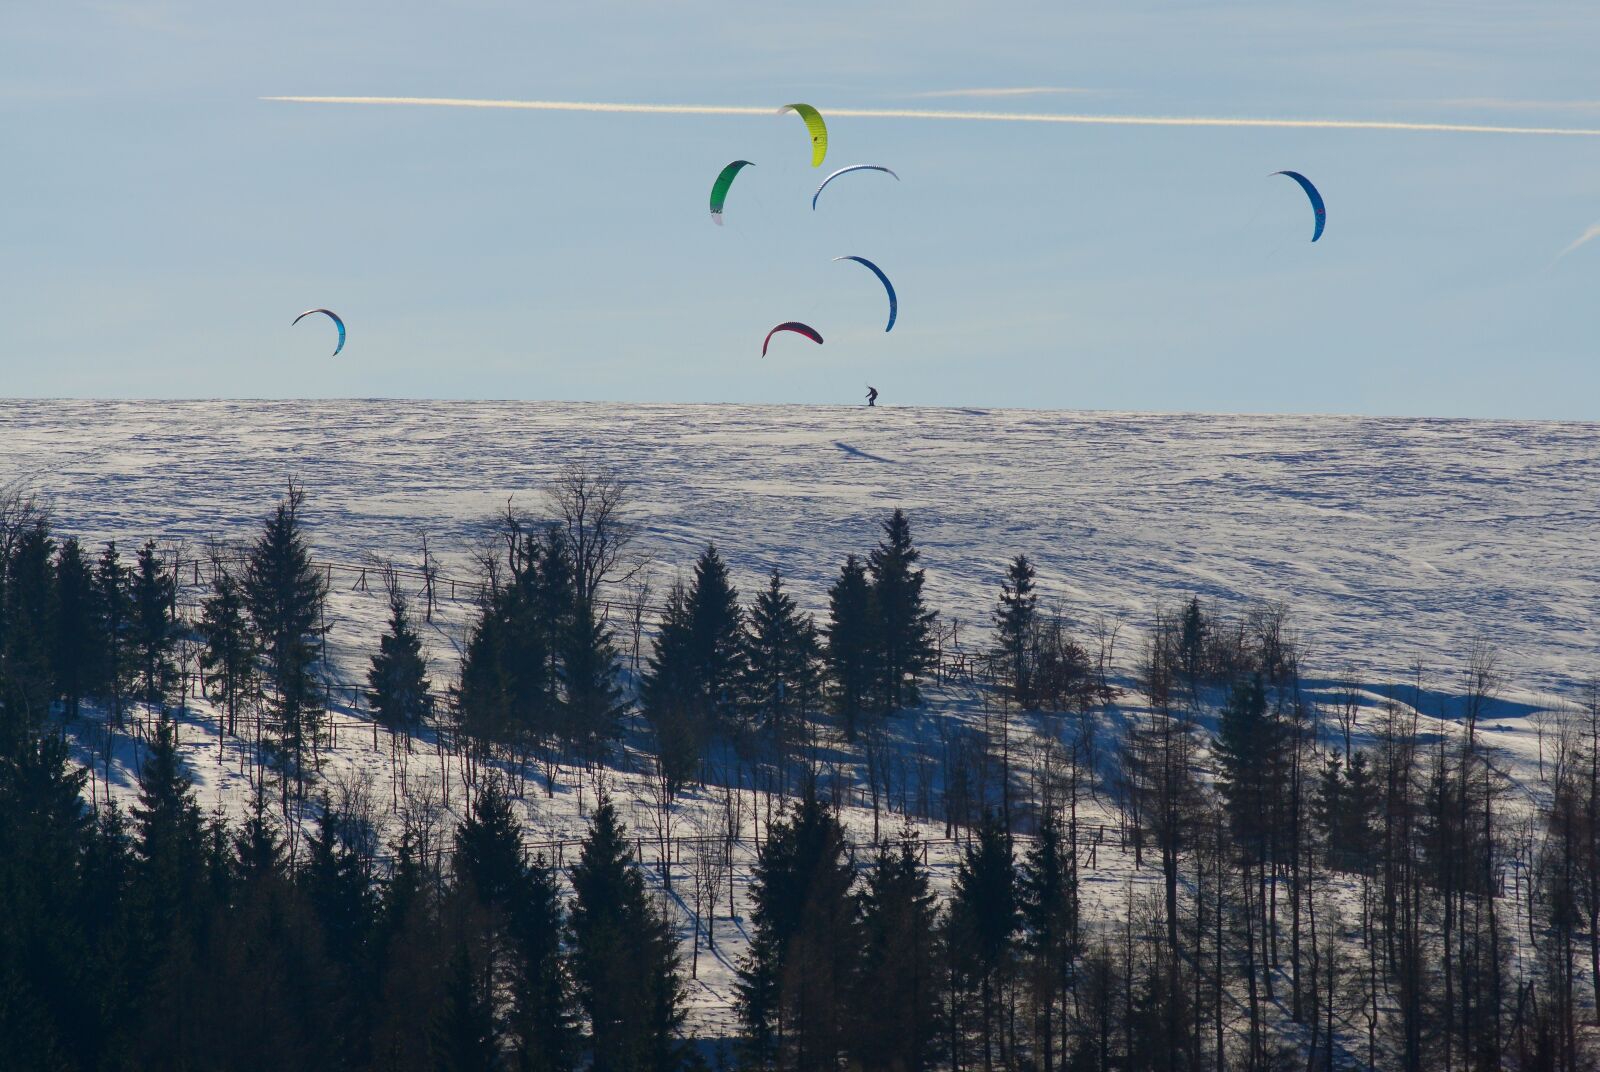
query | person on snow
(872,395)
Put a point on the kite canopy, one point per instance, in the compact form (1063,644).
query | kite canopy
(894,303)
(845,170)
(794,326)
(331,315)
(818,129)
(719,189)
(1316,201)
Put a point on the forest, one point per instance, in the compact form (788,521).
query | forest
(1206,854)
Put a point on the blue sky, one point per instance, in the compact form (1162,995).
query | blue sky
(163,224)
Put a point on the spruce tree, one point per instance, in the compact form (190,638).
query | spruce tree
(670,694)
(896,997)
(336,884)
(905,642)
(624,958)
(154,633)
(483,694)
(541,1020)
(411,946)
(48,960)
(782,680)
(169,838)
(464,1036)
(1344,808)
(229,652)
(79,639)
(1363,804)
(552,629)
(983,923)
(285,595)
(1192,636)
(1247,748)
(402,695)
(489,859)
(593,698)
(519,912)
(27,673)
(852,633)
(113,584)
(1015,622)
(1047,895)
(796,979)
(258,850)
(716,630)
(510,685)
(171,908)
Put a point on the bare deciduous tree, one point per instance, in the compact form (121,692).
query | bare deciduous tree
(21,508)
(709,862)
(589,502)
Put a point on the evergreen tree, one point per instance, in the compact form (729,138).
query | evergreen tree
(510,688)
(484,693)
(549,638)
(1047,895)
(670,695)
(624,958)
(905,643)
(542,1022)
(1015,622)
(169,837)
(489,859)
(797,976)
(983,922)
(285,594)
(520,912)
(79,639)
(171,907)
(412,947)
(593,697)
(107,877)
(402,695)
(1249,751)
(1363,801)
(464,1037)
(1344,809)
(716,632)
(1248,754)
(113,584)
(337,885)
(896,998)
(268,997)
(49,1017)
(27,672)
(258,851)
(229,654)
(1192,636)
(853,630)
(154,633)
(782,667)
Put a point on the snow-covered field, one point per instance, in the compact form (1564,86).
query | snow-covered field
(1394,541)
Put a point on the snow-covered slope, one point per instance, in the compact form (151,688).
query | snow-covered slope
(1393,540)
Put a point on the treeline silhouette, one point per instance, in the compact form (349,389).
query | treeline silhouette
(1323,883)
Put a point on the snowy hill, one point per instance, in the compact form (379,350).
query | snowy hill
(1393,541)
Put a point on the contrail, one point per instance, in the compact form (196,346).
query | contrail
(1582,240)
(1008,91)
(984,117)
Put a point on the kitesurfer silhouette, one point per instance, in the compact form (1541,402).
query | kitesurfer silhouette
(872,395)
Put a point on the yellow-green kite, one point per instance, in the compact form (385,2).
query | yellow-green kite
(818,129)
